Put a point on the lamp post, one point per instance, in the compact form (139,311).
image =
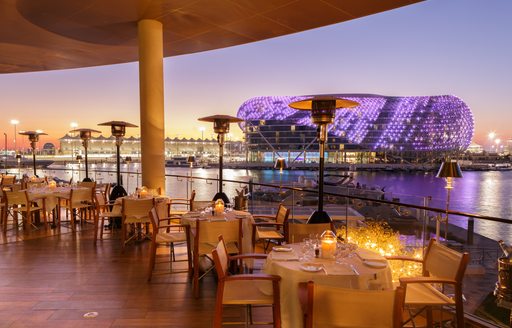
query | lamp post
(15,123)
(33,137)
(449,169)
(18,159)
(190,160)
(85,135)
(323,110)
(5,152)
(202,139)
(118,129)
(221,127)
(280,165)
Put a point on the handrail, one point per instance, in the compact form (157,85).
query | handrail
(298,189)
(388,202)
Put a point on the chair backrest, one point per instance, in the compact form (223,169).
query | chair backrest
(35,184)
(81,196)
(296,232)
(19,197)
(282,214)
(443,262)
(137,207)
(104,190)
(207,234)
(221,258)
(8,179)
(329,306)
(87,184)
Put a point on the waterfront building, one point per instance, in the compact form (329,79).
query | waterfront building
(381,128)
(72,145)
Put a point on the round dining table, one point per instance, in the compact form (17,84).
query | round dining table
(362,269)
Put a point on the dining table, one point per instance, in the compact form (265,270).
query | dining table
(47,197)
(360,269)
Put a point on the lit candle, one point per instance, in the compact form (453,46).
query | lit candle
(219,207)
(52,184)
(328,244)
(328,248)
(143,192)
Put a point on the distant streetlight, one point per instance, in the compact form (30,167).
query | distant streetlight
(491,135)
(15,123)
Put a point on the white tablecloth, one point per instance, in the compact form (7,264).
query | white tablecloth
(354,274)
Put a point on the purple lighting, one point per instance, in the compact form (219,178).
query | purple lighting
(380,123)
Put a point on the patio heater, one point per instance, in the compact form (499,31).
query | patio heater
(33,136)
(449,169)
(323,110)
(221,127)
(118,129)
(85,135)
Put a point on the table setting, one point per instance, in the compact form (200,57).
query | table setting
(325,261)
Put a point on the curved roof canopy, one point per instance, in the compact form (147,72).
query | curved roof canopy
(59,34)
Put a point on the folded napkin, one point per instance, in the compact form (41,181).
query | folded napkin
(284,256)
(366,255)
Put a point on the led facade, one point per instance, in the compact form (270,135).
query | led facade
(406,125)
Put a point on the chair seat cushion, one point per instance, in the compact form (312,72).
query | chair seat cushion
(268,234)
(163,237)
(247,292)
(425,294)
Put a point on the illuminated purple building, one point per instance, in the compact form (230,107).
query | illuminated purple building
(425,127)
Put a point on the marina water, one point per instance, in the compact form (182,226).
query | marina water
(478,192)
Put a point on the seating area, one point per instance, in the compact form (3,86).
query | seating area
(184,256)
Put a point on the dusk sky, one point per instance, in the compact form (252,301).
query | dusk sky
(459,47)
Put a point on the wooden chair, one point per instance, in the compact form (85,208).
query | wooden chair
(167,234)
(272,229)
(135,212)
(18,202)
(184,205)
(243,289)
(206,238)
(104,190)
(327,306)
(296,232)
(80,204)
(441,266)
(104,211)
(7,182)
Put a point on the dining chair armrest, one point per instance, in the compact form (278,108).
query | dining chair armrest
(254,276)
(263,216)
(248,256)
(426,280)
(403,258)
